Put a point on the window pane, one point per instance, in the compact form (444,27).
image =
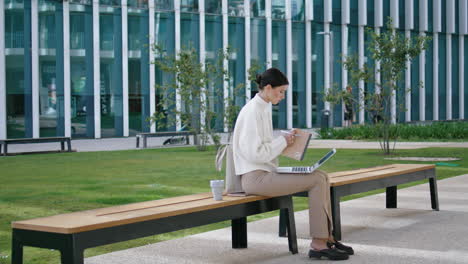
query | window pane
(317,73)
(279,61)
(428,84)
(164,36)
(257,47)
(278,9)
(442,76)
(188,5)
(214,44)
(81,71)
(237,58)
(414,85)
(257,8)
(297,10)
(18,69)
(138,71)
(213,6)
(236,7)
(51,108)
(336,76)
(455,69)
(111,72)
(298,80)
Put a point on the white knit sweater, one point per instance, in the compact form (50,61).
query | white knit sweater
(253,144)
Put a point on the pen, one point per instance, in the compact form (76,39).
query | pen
(287,132)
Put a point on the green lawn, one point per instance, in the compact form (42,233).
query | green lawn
(48,184)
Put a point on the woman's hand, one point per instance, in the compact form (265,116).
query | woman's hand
(290,137)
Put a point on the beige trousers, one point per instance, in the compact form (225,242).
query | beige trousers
(265,183)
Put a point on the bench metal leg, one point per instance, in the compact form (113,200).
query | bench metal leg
(391,197)
(72,256)
(291,226)
(239,232)
(17,251)
(62,145)
(336,217)
(69,145)
(283,222)
(5,149)
(137,141)
(145,143)
(434,195)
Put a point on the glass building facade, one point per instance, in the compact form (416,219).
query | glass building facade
(85,68)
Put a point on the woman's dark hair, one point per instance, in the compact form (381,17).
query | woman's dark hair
(273,77)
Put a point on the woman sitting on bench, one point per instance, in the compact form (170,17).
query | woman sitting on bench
(255,159)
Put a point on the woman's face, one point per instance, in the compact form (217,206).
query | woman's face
(276,94)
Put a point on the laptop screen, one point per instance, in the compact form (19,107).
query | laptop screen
(329,154)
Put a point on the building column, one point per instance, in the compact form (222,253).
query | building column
(152,68)
(202,56)
(247,49)
(225,61)
(3,108)
(268,33)
(435,77)
(289,68)
(361,65)
(308,65)
(97,71)
(35,68)
(408,84)
(125,67)
(66,69)
(177,50)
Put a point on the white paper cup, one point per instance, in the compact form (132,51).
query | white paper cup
(217,188)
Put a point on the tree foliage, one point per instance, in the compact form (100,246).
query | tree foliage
(392,50)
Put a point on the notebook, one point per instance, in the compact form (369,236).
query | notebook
(299,147)
(307,169)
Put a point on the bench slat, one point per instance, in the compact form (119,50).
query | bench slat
(354,176)
(120,215)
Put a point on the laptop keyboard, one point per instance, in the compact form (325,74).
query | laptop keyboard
(300,169)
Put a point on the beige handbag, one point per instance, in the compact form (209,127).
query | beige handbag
(233,181)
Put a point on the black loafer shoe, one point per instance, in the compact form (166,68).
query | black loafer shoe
(329,253)
(341,247)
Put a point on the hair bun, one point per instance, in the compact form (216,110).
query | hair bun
(258,79)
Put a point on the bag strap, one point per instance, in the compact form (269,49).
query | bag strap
(220,155)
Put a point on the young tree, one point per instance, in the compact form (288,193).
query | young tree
(391,50)
(194,86)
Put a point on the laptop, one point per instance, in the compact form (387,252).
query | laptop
(307,169)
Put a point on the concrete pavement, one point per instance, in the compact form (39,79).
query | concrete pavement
(412,233)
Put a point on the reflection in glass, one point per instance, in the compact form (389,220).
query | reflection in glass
(81,71)
(18,70)
(278,9)
(111,90)
(164,4)
(138,76)
(214,44)
(213,6)
(317,73)
(188,5)
(298,79)
(257,8)
(164,36)
(297,10)
(236,8)
(279,61)
(237,58)
(257,48)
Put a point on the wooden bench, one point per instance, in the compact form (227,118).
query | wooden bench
(72,233)
(363,180)
(145,136)
(62,140)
